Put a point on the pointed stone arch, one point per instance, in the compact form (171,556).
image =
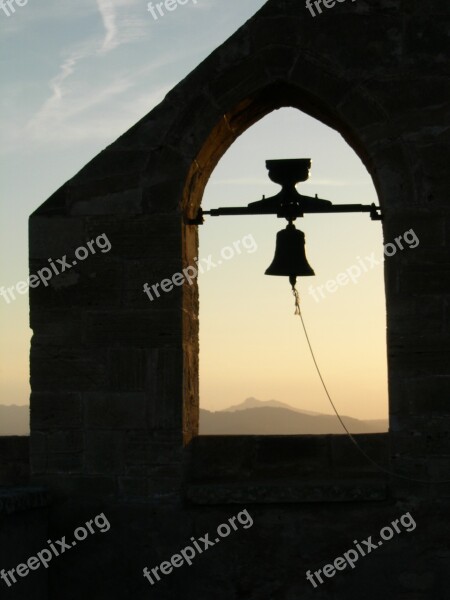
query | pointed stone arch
(270,95)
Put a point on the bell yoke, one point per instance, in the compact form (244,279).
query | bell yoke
(290,258)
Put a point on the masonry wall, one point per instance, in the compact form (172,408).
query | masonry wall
(14,460)
(114,406)
(23,532)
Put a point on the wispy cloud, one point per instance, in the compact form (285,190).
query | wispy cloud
(133,27)
(68,99)
(67,68)
(78,118)
(97,90)
(108,13)
(51,110)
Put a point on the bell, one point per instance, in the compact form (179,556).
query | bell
(290,259)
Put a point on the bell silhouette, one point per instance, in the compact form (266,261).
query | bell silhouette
(290,258)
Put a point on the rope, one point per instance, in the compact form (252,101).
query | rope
(363,452)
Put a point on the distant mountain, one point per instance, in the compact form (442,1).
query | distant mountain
(269,418)
(255,403)
(251,417)
(14,420)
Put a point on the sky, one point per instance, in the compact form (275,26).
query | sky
(75,76)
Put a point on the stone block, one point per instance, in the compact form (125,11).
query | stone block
(94,282)
(128,203)
(164,388)
(423,397)
(347,459)
(430,279)
(54,236)
(14,460)
(64,442)
(56,326)
(54,369)
(77,486)
(132,487)
(164,481)
(224,89)
(55,410)
(153,237)
(126,368)
(281,31)
(64,462)
(103,453)
(429,229)
(146,327)
(118,411)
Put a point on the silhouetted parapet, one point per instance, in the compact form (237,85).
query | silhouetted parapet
(275,469)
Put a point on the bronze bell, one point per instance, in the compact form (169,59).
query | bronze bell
(290,258)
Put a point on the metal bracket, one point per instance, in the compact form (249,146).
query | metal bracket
(288,203)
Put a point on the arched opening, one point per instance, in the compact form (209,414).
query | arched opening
(256,374)
(228,129)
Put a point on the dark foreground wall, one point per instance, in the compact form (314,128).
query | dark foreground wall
(114,405)
(23,533)
(14,460)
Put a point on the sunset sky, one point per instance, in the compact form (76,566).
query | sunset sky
(76,75)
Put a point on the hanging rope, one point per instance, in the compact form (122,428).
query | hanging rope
(363,452)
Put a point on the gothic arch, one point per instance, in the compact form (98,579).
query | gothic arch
(308,85)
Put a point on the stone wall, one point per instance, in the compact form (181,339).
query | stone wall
(14,460)
(114,406)
(23,533)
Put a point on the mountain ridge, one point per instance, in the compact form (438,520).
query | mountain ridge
(250,417)
(253,402)
(276,420)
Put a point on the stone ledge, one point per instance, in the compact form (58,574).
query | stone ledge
(287,492)
(225,459)
(18,499)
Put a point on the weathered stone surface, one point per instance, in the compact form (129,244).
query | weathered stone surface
(104,453)
(51,411)
(287,492)
(14,460)
(114,409)
(121,411)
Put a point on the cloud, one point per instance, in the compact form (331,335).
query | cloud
(66,99)
(66,70)
(132,28)
(51,110)
(108,13)
(96,90)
